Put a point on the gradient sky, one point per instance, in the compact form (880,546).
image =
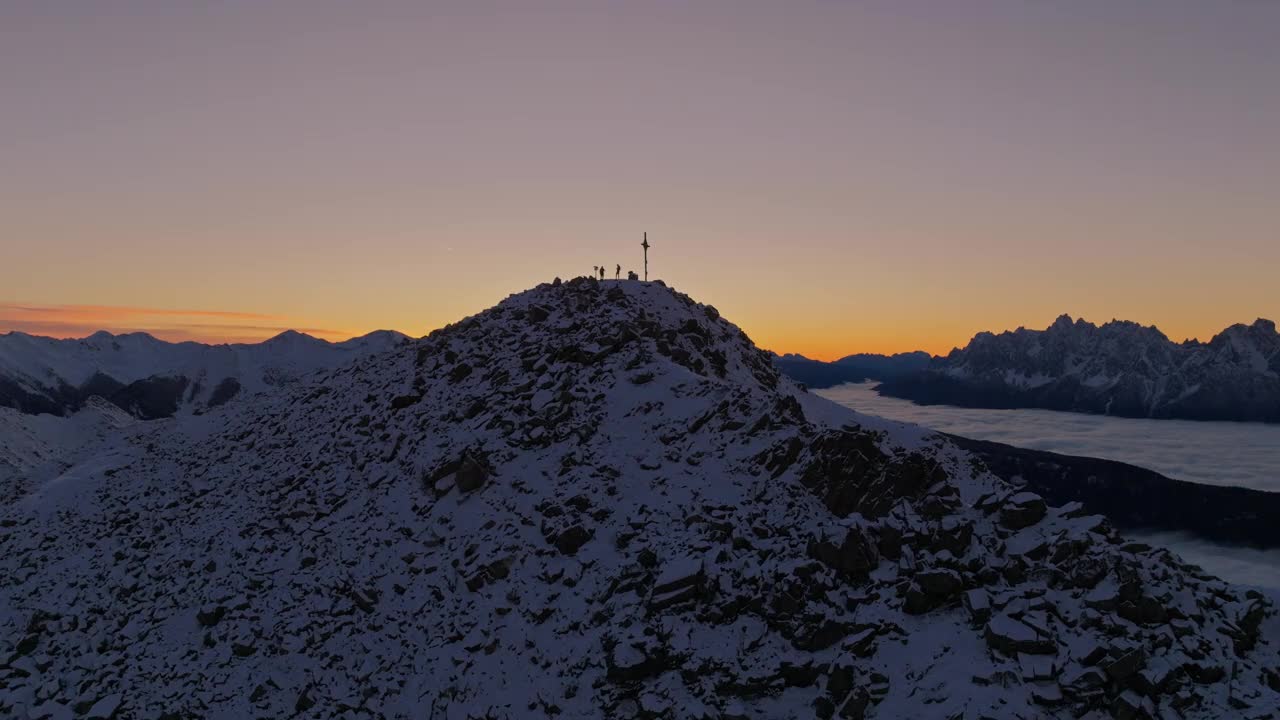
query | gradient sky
(834,176)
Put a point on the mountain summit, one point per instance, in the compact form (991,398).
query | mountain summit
(596,499)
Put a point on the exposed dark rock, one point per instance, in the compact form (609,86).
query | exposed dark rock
(403,401)
(304,702)
(154,397)
(850,472)
(471,475)
(940,583)
(1022,510)
(572,539)
(224,391)
(855,555)
(210,615)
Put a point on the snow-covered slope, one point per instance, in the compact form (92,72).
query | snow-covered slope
(36,447)
(1120,368)
(153,378)
(592,500)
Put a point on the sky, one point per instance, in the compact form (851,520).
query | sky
(834,176)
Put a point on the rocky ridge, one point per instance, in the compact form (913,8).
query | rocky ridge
(592,500)
(1119,368)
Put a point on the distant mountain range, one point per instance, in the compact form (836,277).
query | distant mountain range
(1119,368)
(853,368)
(151,378)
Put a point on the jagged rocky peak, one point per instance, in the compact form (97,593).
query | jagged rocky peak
(1260,330)
(1120,368)
(596,499)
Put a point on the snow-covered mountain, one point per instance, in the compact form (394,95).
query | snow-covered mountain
(1119,368)
(596,499)
(153,378)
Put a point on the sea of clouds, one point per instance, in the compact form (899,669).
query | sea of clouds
(1218,453)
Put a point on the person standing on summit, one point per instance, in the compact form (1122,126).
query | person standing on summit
(602,272)
(617,273)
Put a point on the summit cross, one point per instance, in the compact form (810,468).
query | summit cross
(645,245)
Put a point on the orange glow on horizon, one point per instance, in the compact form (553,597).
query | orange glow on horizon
(826,343)
(169,324)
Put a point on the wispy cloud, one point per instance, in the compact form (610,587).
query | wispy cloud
(74,321)
(126,310)
(273,329)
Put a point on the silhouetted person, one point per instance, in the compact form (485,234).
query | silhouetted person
(631,275)
(617,274)
(601,272)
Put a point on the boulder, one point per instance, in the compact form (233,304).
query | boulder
(1079,681)
(953,534)
(681,579)
(571,540)
(1023,510)
(890,542)
(401,402)
(1125,663)
(1011,637)
(304,702)
(978,603)
(471,475)
(916,601)
(1046,693)
(459,372)
(854,555)
(209,615)
(940,582)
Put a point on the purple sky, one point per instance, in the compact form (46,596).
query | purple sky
(835,176)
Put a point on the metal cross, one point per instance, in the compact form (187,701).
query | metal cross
(645,245)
